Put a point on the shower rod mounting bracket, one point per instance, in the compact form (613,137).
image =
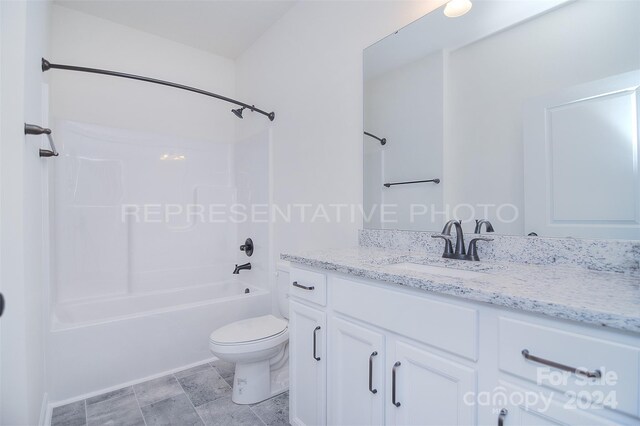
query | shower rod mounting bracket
(46,66)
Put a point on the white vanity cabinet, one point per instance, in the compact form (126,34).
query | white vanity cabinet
(400,356)
(369,369)
(414,384)
(307,363)
(356,374)
(429,389)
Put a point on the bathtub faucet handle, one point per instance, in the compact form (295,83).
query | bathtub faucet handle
(247,247)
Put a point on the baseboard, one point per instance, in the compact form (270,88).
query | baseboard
(45,411)
(52,405)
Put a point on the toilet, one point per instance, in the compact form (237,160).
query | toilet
(259,347)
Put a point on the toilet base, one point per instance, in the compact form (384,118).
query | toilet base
(252,382)
(255,382)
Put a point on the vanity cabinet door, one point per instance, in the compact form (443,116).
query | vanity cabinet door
(307,365)
(426,389)
(356,374)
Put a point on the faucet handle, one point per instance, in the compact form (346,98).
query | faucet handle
(473,249)
(479,224)
(448,247)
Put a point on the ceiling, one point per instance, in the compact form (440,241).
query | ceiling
(223,27)
(435,32)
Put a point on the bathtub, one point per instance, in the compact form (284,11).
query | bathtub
(96,345)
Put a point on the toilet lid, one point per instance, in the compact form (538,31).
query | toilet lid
(249,330)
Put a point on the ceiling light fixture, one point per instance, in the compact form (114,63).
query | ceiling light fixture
(457,8)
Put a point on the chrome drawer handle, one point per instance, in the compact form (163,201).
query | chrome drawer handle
(304,287)
(373,391)
(393,384)
(503,414)
(592,374)
(317,358)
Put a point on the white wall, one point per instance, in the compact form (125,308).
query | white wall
(308,69)
(23,260)
(84,40)
(491,80)
(406,106)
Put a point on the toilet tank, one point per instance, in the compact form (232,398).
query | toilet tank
(282,279)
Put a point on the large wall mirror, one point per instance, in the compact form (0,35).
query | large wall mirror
(524,113)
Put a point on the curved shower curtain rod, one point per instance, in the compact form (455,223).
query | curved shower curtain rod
(46,65)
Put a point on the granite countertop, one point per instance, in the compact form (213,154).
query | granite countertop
(608,299)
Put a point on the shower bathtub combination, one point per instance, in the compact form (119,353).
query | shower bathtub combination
(131,300)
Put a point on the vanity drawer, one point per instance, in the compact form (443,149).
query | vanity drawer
(309,285)
(446,326)
(618,364)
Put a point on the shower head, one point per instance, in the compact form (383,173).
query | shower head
(238,112)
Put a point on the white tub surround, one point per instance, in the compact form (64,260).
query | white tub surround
(138,294)
(402,337)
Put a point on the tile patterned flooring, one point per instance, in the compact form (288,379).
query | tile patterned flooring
(198,396)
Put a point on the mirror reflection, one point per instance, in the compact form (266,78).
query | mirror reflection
(522,113)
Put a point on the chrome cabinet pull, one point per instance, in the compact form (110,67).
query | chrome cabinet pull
(373,391)
(304,287)
(317,358)
(503,414)
(393,384)
(592,374)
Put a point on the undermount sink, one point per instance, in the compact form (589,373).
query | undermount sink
(438,270)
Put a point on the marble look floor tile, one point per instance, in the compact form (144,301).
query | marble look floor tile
(73,414)
(274,411)
(176,410)
(229,380)
(109,395)
(204,387)
(157,389)
(123,411)
(193,370)
(226,370)
(199,394)
(223,412)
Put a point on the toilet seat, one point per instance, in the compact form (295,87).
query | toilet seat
(249,330)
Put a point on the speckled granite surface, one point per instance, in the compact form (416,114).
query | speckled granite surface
(609,299)
(597,255)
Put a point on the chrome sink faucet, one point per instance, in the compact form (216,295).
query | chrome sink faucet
(460,253)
